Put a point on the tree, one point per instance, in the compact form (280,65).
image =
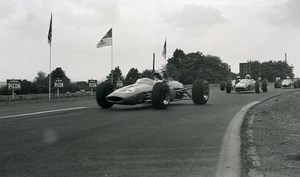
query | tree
(117,74)
(58,73)
(82,85)
(147,73)
(131,77)
(4,90)
(41,82)
(27,87)
(270,70)
(188,67)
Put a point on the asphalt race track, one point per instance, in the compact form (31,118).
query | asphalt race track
(183,140)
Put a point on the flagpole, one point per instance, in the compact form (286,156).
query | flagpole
(166,54)
(112,73)
(50,74)
(50,41)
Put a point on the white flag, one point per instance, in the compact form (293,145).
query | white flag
(106,40)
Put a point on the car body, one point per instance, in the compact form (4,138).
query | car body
(287,83)
(140,92)
(246,85)
(159,93)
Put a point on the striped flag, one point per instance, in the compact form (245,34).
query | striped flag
(106,40)
(50,31)
(164,52)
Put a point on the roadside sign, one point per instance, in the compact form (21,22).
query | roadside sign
(58,83)
(13,84)
(92,83)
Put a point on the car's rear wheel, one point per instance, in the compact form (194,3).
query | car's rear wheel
(200,92)
(257,85)
(161,95)
(276,84)
(222,85)
(295,84)
(104,89)
(264,85)
(228,87)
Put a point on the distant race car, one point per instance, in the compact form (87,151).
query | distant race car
(278,82)
(288,82)
(230,82)
(247,85)
(159,93)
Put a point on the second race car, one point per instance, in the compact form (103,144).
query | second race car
(248,84)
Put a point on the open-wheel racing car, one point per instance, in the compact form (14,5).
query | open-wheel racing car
(288,82)
(229,85)
(159,93)
(248,84)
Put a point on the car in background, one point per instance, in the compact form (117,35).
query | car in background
(230,82)
(289,83)
(248,84)
(278,82)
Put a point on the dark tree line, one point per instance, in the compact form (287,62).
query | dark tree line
(182,67)
(271,69)
(41,84)
(186,68)
(131,77)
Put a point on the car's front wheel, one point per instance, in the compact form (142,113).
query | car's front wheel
(264,85)
(228,86)
(161,95)
(104,89)
(222,85)
(296,84)
(257,85)
(276,84)
(200,91)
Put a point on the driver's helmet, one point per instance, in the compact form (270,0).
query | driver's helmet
(157,76)
(248,76)
(238,77)
(287,77)
(259,78)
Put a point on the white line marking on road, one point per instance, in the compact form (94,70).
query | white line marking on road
(42,112)
(230,160)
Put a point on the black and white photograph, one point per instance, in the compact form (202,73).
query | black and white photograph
(140,88)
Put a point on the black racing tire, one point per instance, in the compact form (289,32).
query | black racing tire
(228,86)
(264,85)
(276,84)
(295,84)
(200,92)
(298,83)
(102,90)
(257,85)
(222,85)
(161,95)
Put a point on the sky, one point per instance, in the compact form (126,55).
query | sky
(235,31)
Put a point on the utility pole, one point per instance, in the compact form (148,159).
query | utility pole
(285,55)
(153,68)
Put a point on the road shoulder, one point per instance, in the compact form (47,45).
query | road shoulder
(229,160)
(270,137)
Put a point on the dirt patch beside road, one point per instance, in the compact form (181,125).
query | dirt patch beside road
(276,135)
